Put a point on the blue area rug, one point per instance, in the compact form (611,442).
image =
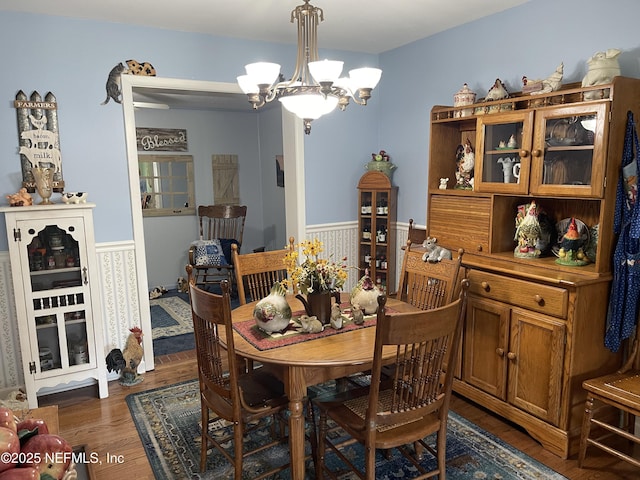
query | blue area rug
(168,422)
(171,323)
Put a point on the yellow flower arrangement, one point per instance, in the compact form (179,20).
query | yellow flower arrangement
(314,274)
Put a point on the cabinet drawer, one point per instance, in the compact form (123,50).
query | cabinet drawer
(521,293)
(460,222)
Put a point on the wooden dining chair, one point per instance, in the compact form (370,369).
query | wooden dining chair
(257,272)
(428,285)
(611,398)
(220,227)
(242,399)
(416,235)
(414,403)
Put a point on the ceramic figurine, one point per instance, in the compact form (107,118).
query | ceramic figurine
(20,199)
(434,252)
(534,231)
(366,294)
(358,314)
(550,84)
(273,313)
(603,66)
(74,197)
(572,244)
(310,325)
(465,162)
(497,91)
(463,97)
(443,183)
(336,319)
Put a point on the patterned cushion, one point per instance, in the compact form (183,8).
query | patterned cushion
(209,252)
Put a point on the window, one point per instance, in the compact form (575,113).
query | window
(166,185)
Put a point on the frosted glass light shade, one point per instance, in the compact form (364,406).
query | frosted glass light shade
(326,70)
(365,77)
(309,106)
(263,73)
(247,84)
(345,83)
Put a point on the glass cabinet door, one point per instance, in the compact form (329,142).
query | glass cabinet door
(503,153)
(60,297)
(567,159)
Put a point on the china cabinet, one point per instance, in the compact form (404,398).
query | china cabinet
(57,296)
(534,327)
(376,228)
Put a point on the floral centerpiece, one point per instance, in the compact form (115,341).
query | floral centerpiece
(314,274)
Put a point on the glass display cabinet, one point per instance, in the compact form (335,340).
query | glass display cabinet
(376,227)
(53,263)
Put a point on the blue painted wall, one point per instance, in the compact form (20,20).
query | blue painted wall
(71,58)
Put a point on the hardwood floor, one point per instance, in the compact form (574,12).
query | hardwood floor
(105,427)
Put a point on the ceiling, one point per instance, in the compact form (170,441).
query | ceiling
(353,25)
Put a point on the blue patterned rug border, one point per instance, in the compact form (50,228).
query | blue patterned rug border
(470,449)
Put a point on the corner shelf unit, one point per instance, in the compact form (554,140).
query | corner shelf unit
(377,228)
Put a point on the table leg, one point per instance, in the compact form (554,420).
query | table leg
(296,387)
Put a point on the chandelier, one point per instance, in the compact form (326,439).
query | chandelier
(315,88)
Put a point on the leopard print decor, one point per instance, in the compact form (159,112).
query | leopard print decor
(133,68)
(144,68)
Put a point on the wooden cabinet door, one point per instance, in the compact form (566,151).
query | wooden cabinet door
(535,357)
(485,345)
(568,156)
(503,153)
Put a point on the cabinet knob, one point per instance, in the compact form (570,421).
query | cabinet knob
(539,300)
(524,153)
(511,356)
(537,153)
(500,352)
(485,286)
(479,248)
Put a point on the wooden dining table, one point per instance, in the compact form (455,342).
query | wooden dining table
(312,362)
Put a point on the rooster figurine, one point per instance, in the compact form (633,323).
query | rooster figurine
(497,91)
(571,246)
(528,232)
(365,294)
(126,361)
(550,84)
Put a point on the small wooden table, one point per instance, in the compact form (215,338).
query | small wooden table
(310,363)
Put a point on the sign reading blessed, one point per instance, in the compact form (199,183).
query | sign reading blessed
(161,139)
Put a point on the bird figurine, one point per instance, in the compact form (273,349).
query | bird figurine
(550,84)
(272,313)
(366,294)
(497,91)
(126,361)
(528,232)
(465,162)
(571,246)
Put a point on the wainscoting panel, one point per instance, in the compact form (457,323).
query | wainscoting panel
(341,239)
(10,355)
(120,301)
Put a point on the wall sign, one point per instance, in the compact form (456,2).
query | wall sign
(39,143)
(161,139)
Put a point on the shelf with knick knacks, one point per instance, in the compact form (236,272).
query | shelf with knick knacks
(376,227)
